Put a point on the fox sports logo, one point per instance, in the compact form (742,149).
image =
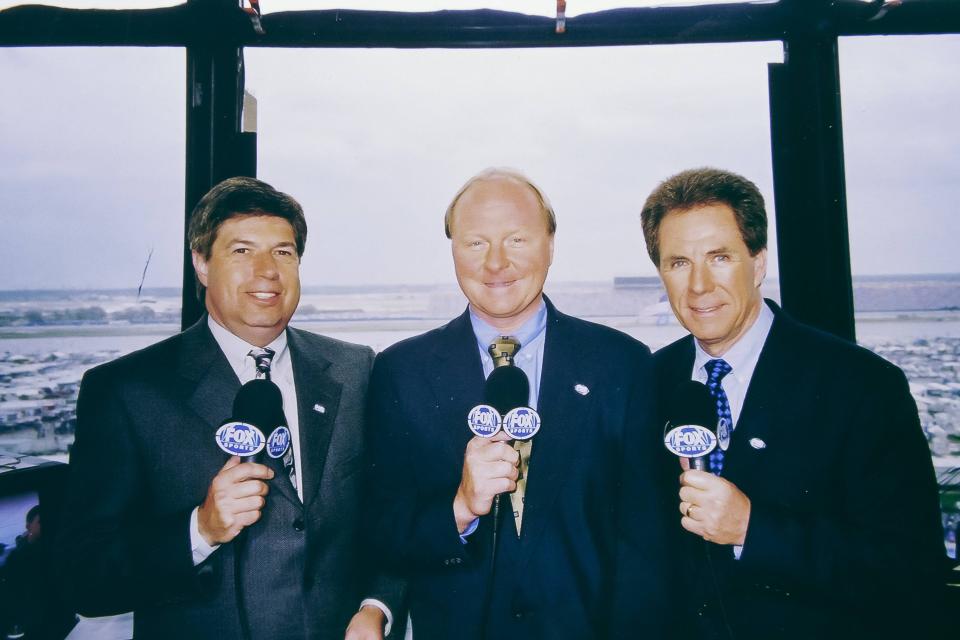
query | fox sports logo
(690,441)
(240,439)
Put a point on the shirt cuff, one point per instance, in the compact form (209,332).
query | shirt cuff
(201,550)
(373,602)
(737,550)
(469,530)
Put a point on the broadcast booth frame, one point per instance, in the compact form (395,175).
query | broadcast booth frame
(804,97)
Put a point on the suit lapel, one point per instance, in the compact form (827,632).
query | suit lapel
(456,380)
(772,392)
(209,382)
(318,399)
(562,412)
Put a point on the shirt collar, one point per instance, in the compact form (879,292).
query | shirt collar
(744,351)
(236,349)
(528,332)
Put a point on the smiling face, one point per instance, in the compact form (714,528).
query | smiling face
(252,277)
(502,249)
(712,281)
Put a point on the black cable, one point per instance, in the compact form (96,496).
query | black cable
(488,592)
(716,589)
(239,553)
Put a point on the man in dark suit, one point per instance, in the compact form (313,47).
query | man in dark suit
(821,517)
(582,553)
(161,521)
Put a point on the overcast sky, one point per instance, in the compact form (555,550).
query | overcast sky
(375,142)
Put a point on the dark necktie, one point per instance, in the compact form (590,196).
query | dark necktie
(502,351)
(716,370)
(263,358)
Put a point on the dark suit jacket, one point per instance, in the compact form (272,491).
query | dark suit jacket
(591,560)
(143,458)
(844,539)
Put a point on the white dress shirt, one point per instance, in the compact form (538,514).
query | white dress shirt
(237,353)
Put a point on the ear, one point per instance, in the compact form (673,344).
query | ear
(200,266)
(550,262)
(759,267)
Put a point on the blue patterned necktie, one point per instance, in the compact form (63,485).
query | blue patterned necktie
(716,370)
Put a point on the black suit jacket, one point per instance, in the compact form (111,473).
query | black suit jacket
(143,458)
(844,539)
(592,557)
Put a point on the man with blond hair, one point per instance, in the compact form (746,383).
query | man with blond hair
(581,548)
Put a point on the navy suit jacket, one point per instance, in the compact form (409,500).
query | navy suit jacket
(144,456)
(592,558)
(844,539)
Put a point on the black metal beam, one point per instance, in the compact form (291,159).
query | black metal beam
(215,148)
(195,22)
(809,185)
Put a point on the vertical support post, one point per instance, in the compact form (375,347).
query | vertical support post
(809,184)
(215,147)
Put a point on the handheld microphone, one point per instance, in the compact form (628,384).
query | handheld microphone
(506,394)
(690,431)
(257,407)
(507,388)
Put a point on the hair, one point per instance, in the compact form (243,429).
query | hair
(241,196)
(503,173)
(34,512)
(703,187)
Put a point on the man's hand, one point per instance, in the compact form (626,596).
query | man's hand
(490,467)
(366,624)
(713,508)
(234,500)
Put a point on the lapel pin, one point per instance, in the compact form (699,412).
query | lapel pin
(757,443)
(582,389)
(319,408)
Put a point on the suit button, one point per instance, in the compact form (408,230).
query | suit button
(298,524)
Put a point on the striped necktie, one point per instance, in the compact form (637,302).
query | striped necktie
(263,358)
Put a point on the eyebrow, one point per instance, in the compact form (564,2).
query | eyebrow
(714,252)
(249,242)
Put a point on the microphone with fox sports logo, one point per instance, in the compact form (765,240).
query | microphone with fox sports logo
(691,429)
(506,389)
(506,394)
(257,409)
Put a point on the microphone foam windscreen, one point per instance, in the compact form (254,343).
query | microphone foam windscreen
(260,403)
(507,388)
(691,403)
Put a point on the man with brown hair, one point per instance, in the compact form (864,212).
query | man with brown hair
(197,543)
(818,517)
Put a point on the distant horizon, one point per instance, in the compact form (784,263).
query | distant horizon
(424,285)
